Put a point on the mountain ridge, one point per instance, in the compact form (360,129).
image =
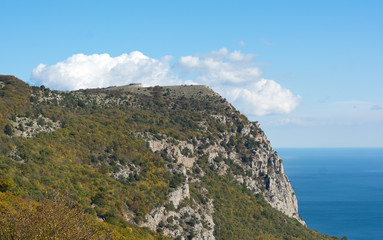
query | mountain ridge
(153,158)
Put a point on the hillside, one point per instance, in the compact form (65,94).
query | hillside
(139,163)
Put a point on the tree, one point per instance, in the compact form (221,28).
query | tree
(8,130)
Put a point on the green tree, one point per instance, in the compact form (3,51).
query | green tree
(8,130)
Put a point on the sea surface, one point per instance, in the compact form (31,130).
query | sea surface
(339,190)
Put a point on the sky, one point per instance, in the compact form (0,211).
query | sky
(308,71)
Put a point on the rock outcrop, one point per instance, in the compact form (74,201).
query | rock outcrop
(29,127)
(262,170)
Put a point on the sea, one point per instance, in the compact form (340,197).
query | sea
(339,190)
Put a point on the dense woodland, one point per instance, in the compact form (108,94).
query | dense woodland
(58,184)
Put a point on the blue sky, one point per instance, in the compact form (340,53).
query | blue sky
(322,59)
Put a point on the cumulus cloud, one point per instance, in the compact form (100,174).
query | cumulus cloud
(237,77)
(102,70)
(263,97)
(234,75)
(220,67)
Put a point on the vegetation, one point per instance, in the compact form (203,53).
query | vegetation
(56,219)
(239,214)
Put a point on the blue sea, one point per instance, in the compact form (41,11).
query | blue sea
(339,191)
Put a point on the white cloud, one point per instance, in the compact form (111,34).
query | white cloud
(263,97)
(234,75)
(237,77)
(102,70)
(220,67)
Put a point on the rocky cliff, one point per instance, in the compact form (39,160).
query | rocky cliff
(262,173)
(254,164)
(260,170)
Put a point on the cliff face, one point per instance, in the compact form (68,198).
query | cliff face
(262,173)
(257,167)
(179,160)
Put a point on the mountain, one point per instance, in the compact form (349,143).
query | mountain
(135,162)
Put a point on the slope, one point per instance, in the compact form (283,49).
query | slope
(180,161)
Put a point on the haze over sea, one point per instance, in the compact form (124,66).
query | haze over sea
(339,190)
